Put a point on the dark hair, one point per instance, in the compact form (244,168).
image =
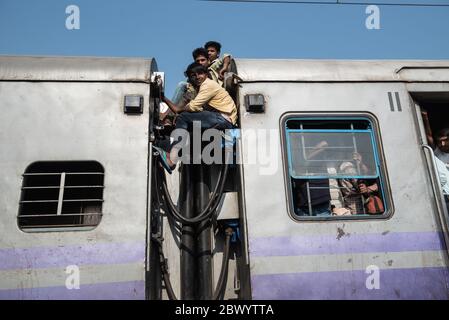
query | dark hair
(443,132)
(213,44)
(190,67)
(199,52)
(199,69)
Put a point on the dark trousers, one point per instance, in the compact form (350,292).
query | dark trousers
(207,120)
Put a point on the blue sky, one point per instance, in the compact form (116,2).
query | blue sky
(170,29)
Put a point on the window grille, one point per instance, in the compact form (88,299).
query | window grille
(61,194)
(325,179)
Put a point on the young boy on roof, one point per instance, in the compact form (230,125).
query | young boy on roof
(218,66)
(201,57)
(185,90)
(209,58)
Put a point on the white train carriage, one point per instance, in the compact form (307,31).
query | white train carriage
(74,185)
(84,212)
(370,107)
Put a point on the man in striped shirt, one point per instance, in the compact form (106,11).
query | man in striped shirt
(217,66)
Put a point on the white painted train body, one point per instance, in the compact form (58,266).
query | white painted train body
(81,204)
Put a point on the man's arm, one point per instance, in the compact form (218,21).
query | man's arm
(357,157)
(226,63)
(173,107)
(317,149)
(205,94)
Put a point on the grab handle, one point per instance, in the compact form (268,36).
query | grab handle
(438,193)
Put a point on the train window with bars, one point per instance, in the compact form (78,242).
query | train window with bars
(61,195)
(333,168)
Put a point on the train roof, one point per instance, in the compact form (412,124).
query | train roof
(35,68)
(257,70)
(44,68)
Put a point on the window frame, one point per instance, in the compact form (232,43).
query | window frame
(64,228)
(379,158)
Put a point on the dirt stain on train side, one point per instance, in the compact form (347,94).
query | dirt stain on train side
(341,233)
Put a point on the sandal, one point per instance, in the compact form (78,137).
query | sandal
(164,160)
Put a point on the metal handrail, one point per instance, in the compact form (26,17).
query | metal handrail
(438,193)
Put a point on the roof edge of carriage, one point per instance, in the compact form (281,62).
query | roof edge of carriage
(135,69)
(297,70)
(79,68)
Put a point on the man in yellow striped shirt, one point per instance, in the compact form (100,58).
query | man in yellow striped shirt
(213,107)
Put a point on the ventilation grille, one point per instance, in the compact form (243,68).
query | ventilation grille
(61,195)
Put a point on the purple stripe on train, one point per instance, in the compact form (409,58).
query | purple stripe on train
(134,290)
(62,256)
(347,243)
(416,284)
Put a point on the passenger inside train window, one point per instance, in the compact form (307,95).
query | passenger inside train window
(313,197)
(440,143)
(442,146)
(349,188)
(334,168)
(313,194)
(360,196)
(443,174)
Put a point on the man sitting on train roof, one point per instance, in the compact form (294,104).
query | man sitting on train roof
(217,66)
(213,107)
(185,91)
(201,57)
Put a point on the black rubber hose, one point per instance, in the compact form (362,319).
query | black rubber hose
(197,219)
(205,214)
(221,180)
(164,204)
(162,261)
(213,203)
(163,264)
(222,279)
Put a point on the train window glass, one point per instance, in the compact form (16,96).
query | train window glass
(61,195)
(333,168)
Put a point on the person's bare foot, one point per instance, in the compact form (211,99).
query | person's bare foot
(169,161)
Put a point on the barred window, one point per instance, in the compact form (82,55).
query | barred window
(61,195)
(333,168)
